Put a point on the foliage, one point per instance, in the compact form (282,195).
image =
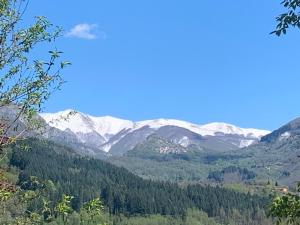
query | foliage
(91,211)
(244,173)
(25,82)
(290,18)
(286,208)
(16,210)
(63,208)
(193,217)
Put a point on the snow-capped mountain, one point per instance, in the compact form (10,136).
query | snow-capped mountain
(211,129)
(80,123)
(108,133)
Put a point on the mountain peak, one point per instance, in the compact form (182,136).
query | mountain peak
(78,122)
(290,129)
(113,129)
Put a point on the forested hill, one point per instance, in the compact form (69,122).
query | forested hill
(121,191)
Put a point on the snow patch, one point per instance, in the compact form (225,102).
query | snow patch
(184,141)
(284,136)
(246,143)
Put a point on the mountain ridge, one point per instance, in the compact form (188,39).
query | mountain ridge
(107,131)
(207,129)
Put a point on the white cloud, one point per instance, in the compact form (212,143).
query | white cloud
(86,31)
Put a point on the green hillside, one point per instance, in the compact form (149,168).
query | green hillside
(124,193)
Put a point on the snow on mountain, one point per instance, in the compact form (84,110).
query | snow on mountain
(211,129)
(113,129)
(77,122)
(246,143)
(214,128)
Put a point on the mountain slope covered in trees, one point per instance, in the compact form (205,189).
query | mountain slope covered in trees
(122,192)
(274,158)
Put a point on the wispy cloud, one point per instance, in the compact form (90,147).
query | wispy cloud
(86,31)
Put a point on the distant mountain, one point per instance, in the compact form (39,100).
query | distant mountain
(118,136)
(171,146)
(276,157)
(277,154)
(287,131)
(43,131)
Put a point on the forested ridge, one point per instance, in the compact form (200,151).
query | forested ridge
(121,191)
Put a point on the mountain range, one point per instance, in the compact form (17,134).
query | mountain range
(174,150)
(276,157)
(117,136)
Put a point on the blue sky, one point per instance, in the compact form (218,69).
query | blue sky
(200,61)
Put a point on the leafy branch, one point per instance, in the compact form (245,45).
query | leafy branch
(290,18)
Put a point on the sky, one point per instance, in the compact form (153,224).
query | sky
(199,61)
